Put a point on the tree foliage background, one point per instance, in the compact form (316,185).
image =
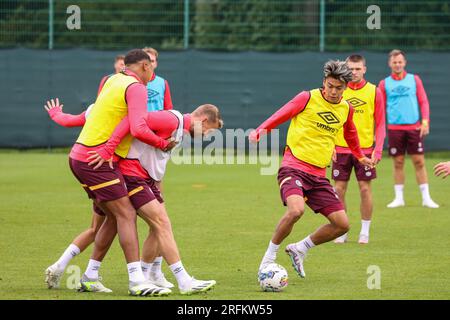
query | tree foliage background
(230,25)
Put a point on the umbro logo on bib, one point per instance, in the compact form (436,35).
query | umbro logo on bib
(328,117)
(400,89)
(152,93)
(355,102)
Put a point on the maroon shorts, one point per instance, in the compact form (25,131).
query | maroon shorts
(142,191)
(318,193)
(102,184)
(400,141)
(342,168)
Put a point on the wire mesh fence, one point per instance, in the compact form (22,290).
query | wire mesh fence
(230,25)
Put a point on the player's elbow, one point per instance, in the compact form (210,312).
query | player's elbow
(136,132)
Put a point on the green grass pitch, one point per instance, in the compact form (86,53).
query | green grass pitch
(223,217)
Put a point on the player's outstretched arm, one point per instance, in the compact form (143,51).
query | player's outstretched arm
(54,109)
(285,113)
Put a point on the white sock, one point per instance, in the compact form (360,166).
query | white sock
(425,192)
(398,188)
(305,245)
(183,278)
(92,269)
(271,253)
(156,266)
(135,273)
(365,226)
(70,253)
(146,267)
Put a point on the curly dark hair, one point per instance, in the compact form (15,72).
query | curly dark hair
(135,56)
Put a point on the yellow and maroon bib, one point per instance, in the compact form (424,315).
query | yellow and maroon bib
(109,109)
(312,133)
(363,101)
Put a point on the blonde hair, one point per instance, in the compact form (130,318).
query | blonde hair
(356,58)
(211,112)
(151,51)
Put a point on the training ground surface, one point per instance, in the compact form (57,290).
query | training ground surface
(223,218)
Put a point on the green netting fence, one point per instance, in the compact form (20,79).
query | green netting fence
(229,25)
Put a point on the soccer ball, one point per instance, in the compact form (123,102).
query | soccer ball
(273,278)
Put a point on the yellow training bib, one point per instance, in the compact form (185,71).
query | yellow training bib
(363,102)
(109,109)
(312,133)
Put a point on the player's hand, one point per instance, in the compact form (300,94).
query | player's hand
(424,130)
(254,136)
(374,158)
(442,169)
(51,105)
(334,156)
(367,162)
(96,158)
(171,145)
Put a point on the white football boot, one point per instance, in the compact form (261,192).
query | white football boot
(198,286)
(53,276)
(160,280)
(430,204)
(342,239)
(363,239)
(92,285)
(297,258)
(147,289)
(396,203)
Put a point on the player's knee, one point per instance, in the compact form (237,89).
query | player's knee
(295,212)
(160,221)
(341,226)
(165,223)
(126,213)
(419,163)
(126,217)
(365,191)
(399,163)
